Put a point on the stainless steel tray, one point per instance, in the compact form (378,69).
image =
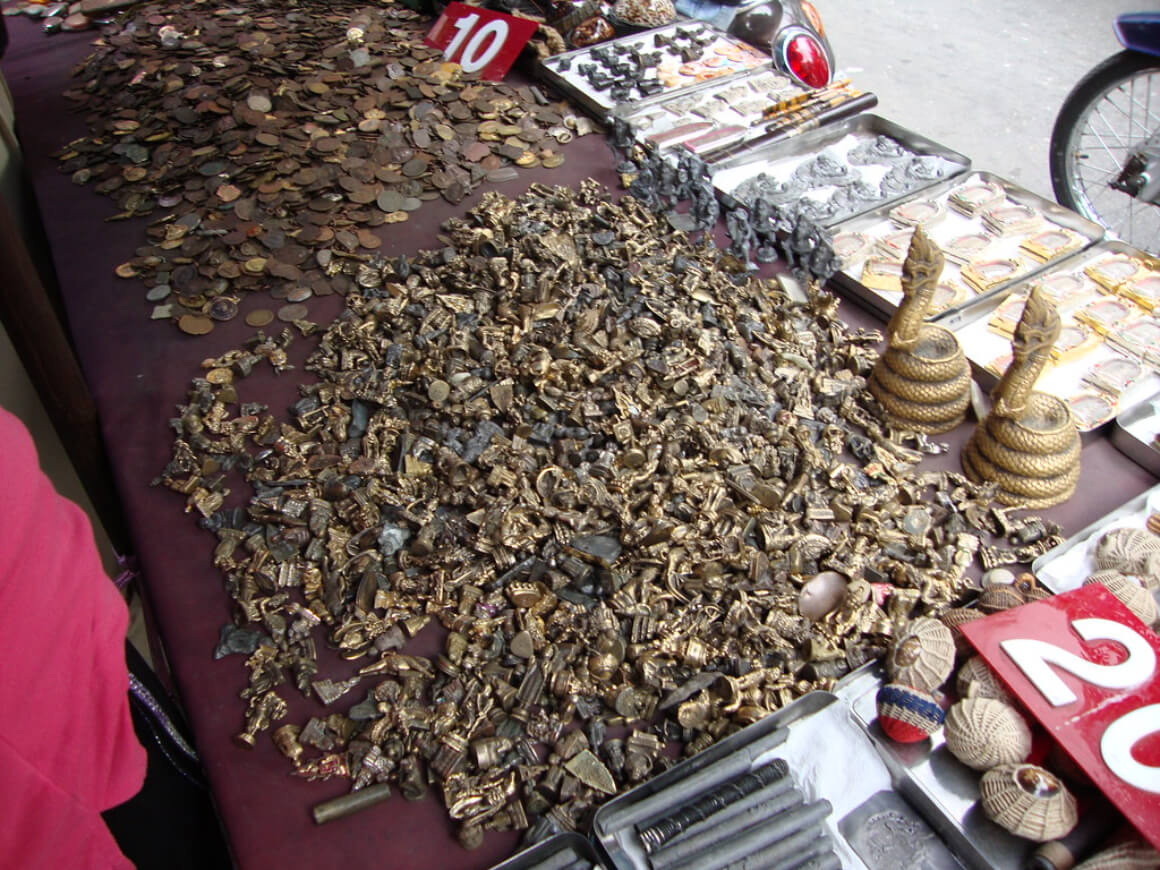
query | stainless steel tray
(614,826)
(1065,567)
(868,821)
(779,160)
(1136,431)
(945,791)
(1066,377)
(599,103)
(714,103)
(555,853)
(877,224)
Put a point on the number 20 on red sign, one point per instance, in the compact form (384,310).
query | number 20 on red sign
(480,40)
(1086,668)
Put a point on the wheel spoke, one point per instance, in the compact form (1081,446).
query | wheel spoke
(1103,144)
(1105,135)
(1148,105)
(1099,116)
(1148,124)
(1149,121)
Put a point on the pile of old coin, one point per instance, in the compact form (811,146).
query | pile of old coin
(270,140)
(649,500)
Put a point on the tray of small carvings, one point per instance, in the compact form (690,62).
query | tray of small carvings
(1107,357)
(649,65)
(839,171)
(711,115)
(778,793)
(992,232)
(715,119)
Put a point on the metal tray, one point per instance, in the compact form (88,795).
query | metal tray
(614,826)
(599,103)
(877,224)
(1065,567)
(669,111)
(1064,378)
(779,160)
(554,853)
(941,788)
(1135,433)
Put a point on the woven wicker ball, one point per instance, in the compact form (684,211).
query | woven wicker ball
(996,598)
(1028,801)
(984,732)
(956,617)
(907,714)
(1129,593)
(1037,594)
(1150,575)
(923,656)
(1126,550)
(1135,854)
(975,679)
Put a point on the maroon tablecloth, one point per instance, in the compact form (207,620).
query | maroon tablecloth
(139,370)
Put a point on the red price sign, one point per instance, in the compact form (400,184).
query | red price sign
(1086,668)
(480,40)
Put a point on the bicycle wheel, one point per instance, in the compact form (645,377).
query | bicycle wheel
(1105,118)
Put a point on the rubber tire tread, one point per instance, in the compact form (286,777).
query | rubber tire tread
(1122,66)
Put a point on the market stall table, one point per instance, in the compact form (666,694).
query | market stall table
(140,370)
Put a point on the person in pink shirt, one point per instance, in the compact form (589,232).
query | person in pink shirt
(68,750)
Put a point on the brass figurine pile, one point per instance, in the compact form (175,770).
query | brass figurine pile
(1028,444)
(646,498)
(923,380)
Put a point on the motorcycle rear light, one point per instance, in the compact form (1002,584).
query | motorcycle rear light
(813,17)
(806,60)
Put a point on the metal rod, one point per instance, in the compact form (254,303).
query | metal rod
(798,826)
(733,764)
(816,851)
(678,850)
(725,814)
(777,854)
(665,829)
(346,804)
(828,861)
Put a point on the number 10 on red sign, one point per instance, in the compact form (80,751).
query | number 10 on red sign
(1086,668)
(480,40)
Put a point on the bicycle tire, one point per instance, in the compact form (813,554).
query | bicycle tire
(1105,79)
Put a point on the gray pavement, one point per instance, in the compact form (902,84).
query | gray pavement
(985,77)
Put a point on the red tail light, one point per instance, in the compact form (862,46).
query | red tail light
(806,60)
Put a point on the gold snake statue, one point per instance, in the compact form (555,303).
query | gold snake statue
(922,380)
(1028,444)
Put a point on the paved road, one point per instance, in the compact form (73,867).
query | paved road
(985,77)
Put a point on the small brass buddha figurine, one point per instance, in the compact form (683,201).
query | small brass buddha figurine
(1028,444)
(922,380)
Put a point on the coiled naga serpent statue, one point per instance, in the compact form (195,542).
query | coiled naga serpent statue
(922,380)
(1028,444)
